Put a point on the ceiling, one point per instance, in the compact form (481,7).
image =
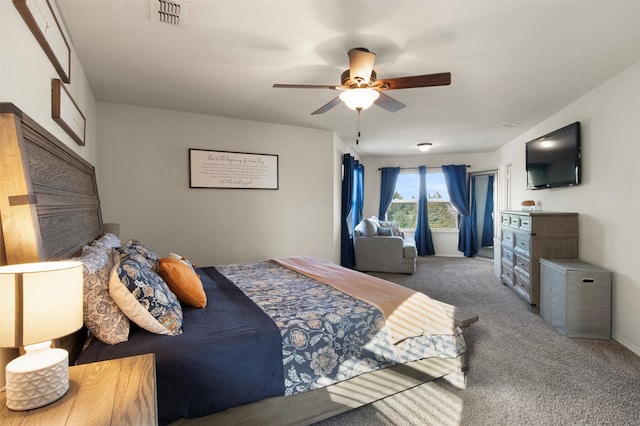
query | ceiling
(511,62)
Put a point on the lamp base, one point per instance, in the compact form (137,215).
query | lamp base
(38,377)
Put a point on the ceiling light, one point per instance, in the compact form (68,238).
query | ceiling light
(424,147)
(359,99)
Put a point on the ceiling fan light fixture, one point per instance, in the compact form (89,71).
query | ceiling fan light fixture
(359,99)
(425,146)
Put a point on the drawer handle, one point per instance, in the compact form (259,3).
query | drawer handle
(588,280)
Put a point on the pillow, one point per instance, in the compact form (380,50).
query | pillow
(101,314)
(385,232)
(107,241)
(182,259)
(183,281)
(144,253)
(144,297)
(370,227)
(393,225)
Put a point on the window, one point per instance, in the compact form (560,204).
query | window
(404,206)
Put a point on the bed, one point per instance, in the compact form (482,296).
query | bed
(244,358)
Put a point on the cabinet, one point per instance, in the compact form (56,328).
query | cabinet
(575,298)
(528,236)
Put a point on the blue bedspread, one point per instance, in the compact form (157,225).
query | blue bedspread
(231,340)
(266,331)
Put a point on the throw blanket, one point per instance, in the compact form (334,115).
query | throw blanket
(407,313)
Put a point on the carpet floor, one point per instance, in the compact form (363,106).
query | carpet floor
(521,370)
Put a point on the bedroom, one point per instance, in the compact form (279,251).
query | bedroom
(263,223)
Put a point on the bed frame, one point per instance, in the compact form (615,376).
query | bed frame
(49,209)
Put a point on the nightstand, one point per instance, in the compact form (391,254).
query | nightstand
(117,392)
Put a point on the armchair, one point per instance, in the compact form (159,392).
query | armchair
(381,247)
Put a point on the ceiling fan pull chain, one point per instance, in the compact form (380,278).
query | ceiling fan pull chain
(358,128)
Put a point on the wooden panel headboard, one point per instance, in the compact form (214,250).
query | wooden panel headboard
(49,205)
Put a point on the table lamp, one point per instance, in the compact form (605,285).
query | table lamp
(38,302)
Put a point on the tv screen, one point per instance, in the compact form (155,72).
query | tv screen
(553,160)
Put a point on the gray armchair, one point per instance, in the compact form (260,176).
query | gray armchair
(381,247)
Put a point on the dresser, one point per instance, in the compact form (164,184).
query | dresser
(527,237)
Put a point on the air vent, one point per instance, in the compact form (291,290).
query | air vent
(170,12)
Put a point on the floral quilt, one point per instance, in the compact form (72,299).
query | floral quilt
(328,336)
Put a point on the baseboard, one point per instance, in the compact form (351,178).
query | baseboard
(626,344)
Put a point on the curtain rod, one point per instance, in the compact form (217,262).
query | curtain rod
(416,168)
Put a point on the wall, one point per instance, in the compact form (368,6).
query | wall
(445,242)
(144,185)
(25,80)
(608,199)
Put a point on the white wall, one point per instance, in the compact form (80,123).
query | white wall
(25,80)
(144,185)
(608,200)
(445,242)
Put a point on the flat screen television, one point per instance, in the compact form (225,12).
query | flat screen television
(554,160)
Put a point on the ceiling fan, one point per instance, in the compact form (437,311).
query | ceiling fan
(361,88)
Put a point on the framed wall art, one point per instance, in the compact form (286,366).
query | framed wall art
(235,170)
(41,20)
(66,112)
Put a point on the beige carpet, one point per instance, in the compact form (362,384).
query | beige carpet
(522,371)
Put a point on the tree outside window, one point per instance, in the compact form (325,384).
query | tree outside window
(404,206)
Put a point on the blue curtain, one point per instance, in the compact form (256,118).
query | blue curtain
(358,195)
(389,178)
(347,256)
(474,207)
(487,225)
(456,180)
(424,243)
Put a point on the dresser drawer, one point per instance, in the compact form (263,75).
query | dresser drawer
(507,274)
(522,285)
(522,242)
(508,257)
(508,239)
(522,263)
(515,221)
(506,219)
(525,223)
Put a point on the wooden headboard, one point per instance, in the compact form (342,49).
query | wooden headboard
(49,205)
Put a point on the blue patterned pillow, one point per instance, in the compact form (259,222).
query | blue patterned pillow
(144,297)
(137,249)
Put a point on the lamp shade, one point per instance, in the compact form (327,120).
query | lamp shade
(359,99)
(39,302)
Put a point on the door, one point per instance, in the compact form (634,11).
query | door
(483,209)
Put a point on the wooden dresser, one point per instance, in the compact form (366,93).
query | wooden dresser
(529,236)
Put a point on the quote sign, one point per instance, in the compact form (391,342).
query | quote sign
(236,170)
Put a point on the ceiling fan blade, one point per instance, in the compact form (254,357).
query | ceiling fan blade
(428,80)
(326,107)
(361,64)
(388,103)
(304,86)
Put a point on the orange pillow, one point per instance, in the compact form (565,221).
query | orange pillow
(183,281)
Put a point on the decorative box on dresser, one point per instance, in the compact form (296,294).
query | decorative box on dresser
(529,236)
